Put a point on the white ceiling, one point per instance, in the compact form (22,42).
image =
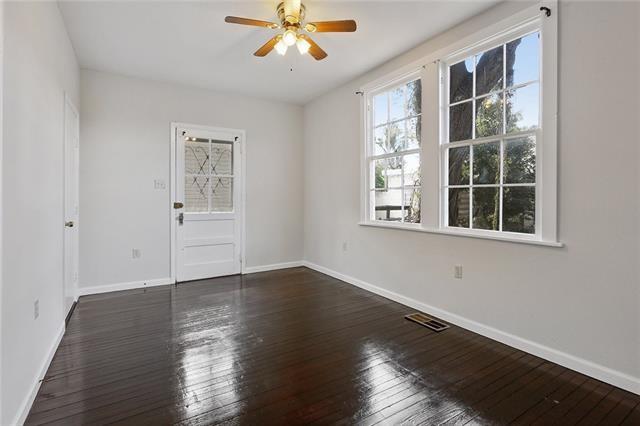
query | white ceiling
(189,42)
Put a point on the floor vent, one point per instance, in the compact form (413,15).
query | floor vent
(428,322)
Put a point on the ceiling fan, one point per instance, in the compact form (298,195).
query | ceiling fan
(291,14)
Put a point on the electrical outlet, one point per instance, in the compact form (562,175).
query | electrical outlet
(36,309)
(136,253)
(159,184)
(344,246)
(457,272)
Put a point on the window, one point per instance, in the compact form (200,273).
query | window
(463,141)
(492,122)
(208,175)
(394,152)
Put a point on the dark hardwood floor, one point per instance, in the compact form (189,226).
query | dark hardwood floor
(292,347)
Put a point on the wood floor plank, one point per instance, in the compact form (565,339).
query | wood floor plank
(297,347)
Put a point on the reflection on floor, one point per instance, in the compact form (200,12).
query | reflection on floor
(296,346)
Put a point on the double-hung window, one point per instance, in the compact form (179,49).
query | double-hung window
(464,141)
(491,123)
(393,158)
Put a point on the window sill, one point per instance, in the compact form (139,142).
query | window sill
(419,228)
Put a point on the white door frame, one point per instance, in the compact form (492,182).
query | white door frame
(173,183)
(68,103)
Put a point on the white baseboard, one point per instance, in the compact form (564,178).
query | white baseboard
(600,372)
(25,407)
(272,267)
(97,289)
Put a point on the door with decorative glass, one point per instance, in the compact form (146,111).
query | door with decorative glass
(208,203)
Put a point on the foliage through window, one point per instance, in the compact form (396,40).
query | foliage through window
(490,154)
(394,153)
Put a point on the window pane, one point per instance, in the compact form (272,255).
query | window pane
(387,173)
(196,157)
(520,160)
(396,107)
(486,208)
(489,116)
(459,166)
(380,174)
(522,108)
(518,213)
(389,139)
(412,205)
(460,122)
(196,194)
(221,158)
(388,205)
(221,194)
(523,59)
(412,170)
(380,109)
(461,80)
(489,71)
(380,143)
(486,163)
(414,132)
(459,207)
(414,97)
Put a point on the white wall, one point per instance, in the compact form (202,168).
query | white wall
(39,66)
(582,300)
(125,145)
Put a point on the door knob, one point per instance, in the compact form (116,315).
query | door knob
(178,205)
(69,224)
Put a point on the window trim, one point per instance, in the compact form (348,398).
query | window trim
(369,130)
(427,68)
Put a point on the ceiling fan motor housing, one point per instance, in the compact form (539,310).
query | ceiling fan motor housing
(290,21)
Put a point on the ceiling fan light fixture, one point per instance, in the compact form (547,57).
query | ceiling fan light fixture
(302,45)
(289,37)
(293,26)
(281,47)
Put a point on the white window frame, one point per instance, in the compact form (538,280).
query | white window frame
(369,145)
(434,217)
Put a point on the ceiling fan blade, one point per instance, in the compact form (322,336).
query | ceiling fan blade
(315,50)
(252,22)
(292,10)
(268,46)
(346,26)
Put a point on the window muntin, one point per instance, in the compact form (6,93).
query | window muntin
(489,151)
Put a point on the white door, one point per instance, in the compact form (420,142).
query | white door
(208,203)
(71,209)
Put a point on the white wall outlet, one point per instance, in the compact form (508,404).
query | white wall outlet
(345,247)
(457,272)
(159,184)
(36,309)
(136,253)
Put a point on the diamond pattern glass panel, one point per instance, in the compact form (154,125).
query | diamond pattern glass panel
(221,158)
(221,194)
(196,192)
(196,157)
(208,175)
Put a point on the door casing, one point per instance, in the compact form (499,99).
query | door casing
(71,191)
(174,183)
